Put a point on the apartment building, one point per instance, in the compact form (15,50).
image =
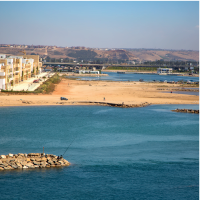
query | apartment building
(14,69)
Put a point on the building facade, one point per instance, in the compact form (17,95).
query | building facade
(14,69)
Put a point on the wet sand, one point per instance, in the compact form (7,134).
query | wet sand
(82,92)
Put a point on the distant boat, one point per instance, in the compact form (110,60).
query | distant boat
(141,80)
(121,72)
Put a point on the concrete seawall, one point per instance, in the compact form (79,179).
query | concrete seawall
(31,160)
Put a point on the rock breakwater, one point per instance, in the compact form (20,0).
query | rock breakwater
(186,111)
(31,160)
(121,105)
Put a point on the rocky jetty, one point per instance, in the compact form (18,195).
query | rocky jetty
(186,111)
(121,105)
(31,160)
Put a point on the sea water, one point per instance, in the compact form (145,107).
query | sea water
(115,153)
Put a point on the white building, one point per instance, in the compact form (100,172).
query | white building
(164,70)
(2,56)
(87,72)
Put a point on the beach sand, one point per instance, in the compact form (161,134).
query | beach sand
(80,92)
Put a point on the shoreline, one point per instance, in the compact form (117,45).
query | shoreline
(149,72)
(118,94)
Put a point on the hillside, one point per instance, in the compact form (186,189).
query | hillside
(138,55)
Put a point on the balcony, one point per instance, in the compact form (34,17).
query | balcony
(2,73)
(16,69)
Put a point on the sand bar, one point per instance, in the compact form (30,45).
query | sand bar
(80,92)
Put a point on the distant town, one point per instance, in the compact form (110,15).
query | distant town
(21,62)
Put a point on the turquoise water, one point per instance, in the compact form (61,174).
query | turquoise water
(135,153)
(113,76)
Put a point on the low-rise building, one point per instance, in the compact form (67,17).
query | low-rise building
(164,70)
(86,72)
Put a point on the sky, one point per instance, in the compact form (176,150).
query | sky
(101,24)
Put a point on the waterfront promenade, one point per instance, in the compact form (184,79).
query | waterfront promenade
(28,85)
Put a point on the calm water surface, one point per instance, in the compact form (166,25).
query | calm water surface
(185,92)
(136,153)
(113,76)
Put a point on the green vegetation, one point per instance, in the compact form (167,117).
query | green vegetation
(49,85)
(82,54)
(58,53)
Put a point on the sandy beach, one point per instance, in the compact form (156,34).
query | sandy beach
(82,92)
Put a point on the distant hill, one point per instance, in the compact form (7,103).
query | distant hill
(139,55)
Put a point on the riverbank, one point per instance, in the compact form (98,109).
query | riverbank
(76,74)
(130,71)
(150,72)
(102,93)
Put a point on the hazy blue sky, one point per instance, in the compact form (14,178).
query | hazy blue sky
(130,24)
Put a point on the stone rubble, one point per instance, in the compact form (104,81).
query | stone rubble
(31,160)
(121,105)
(186,111)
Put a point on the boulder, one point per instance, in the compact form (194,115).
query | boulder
(10,155)
(14,166)
(54,159)
(8,167)
(43,159)
(4,164)
(36,163)
(29,164)
(57,163)
(32,167)
(3,156)
(24,163)
(38,159)
(50,162)
(18,165)
(60,161)
(31,154)
(43,165)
